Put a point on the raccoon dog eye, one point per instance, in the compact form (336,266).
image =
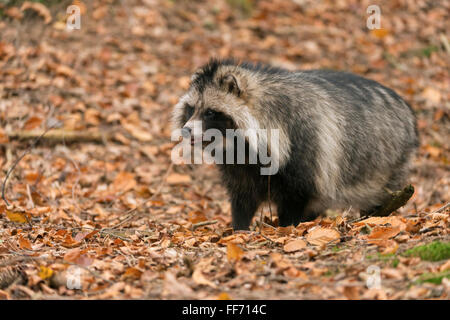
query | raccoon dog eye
(189,110)
(210,114)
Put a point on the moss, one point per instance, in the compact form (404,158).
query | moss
(428,51)
(392,258)
(433,251)
(435,278)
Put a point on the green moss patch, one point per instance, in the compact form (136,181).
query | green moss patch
(435,278)
(434,251)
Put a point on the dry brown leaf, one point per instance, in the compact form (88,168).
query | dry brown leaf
(123,182)
(174,288)
(392,220)
(295,245)
(199,277)
(32,123)
(321,236)
(137,132)
(380,233)
(351,292)
(3,136)
(132,273)
(432,95)
(176,178)
(72,255)
(24,243)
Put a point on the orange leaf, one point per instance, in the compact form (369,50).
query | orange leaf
(223,296)
(322,236)
(379,33)
(69,242)
(196,216)
(32,123)
(132,273)
(383,232)
(20,217)
(24,243)
(3,136)
(234,252)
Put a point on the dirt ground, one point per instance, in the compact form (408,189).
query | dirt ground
(96,211)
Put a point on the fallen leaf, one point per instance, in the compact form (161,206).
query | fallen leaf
(176,178)
(24,243)
(351,292)
(45,272)
(432,95)
(137,132)
(234,252)
(223,296)
(132,274)
(19,217)
(322,236)
(380,233)
(124,181)
(3,136)
(199,277)
(379,33)
(295,245)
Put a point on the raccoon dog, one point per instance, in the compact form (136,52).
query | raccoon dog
(343,139)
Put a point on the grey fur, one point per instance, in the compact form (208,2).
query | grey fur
(344,138)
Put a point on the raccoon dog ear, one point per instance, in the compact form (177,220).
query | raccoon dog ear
(230,84)
(196,75)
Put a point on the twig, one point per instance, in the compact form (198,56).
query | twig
(59,135)
(268,225)
(130,214)
(203,223)
(10,170)
(270,207)
(442,208)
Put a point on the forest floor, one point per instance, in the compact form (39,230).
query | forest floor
(94,211)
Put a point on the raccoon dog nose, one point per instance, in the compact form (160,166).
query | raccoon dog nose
(186,132)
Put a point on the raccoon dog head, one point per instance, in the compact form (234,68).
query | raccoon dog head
(217,97)
(225,95)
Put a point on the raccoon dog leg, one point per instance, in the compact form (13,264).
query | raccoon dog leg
(243,208)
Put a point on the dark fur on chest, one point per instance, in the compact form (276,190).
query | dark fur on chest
(291,189)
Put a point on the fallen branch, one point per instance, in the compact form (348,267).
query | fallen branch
(59,135)
(443,208)
(203,223)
